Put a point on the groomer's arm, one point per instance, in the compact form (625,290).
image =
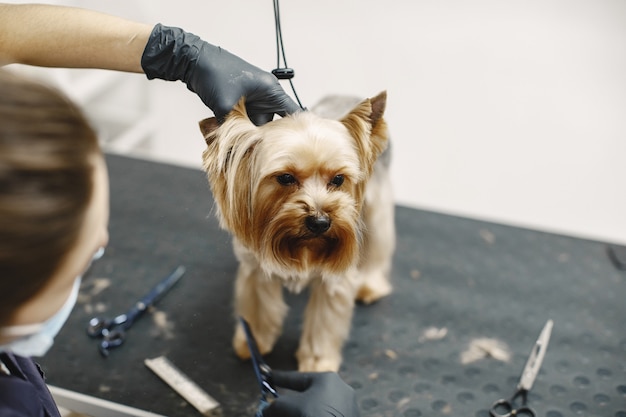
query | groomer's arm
(58,36)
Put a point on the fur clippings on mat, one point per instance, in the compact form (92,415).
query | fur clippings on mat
(484,348)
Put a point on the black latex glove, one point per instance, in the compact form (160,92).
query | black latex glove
(316,395)
(218,77)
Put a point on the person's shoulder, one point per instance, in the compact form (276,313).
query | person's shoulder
(18,398)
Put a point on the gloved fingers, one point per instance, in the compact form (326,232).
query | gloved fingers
(282,103)
(289,107)
(263,112)
(261,118)
(221,103)
(293,380)
(282,407)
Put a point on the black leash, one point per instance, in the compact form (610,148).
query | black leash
(283,72)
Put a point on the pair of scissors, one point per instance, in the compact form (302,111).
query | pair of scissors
(510,408)
(261,369)
(113,331)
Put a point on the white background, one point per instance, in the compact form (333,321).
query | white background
(513,112)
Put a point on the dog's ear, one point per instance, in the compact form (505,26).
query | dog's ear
(208,126)
(378,104)
(367,126)
(370,111)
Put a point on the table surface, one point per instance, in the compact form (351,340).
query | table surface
(456,281)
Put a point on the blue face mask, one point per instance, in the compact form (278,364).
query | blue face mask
(37,339)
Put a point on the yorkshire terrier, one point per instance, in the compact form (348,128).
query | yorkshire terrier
(309,203)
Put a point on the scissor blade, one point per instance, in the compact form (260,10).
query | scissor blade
(257,360)
(152,297)
(254,350)
(531,370)
(162,287)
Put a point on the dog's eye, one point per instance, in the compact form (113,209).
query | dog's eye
(286,179)
(337,180)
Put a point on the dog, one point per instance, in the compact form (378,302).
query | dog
(308,201)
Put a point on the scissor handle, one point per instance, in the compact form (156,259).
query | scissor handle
(110,341)
(99,326)
(263,403)
(525,412)
(504,408)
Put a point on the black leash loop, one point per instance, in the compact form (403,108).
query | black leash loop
(283,72)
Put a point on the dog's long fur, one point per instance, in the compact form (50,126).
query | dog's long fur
(305,209)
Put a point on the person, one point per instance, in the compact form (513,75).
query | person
(53,220)
(54,184)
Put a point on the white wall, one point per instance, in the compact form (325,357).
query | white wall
(508,111)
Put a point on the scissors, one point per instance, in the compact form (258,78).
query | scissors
(509,408)
(261,369)
(112,331)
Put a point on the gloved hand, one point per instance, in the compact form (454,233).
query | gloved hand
(317,395)
(218,77)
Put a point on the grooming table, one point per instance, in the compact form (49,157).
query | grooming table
(456,281)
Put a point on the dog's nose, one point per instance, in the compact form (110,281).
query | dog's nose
(318,224)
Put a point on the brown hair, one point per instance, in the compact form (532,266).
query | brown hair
(46,181)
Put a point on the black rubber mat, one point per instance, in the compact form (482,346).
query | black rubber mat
(457,281)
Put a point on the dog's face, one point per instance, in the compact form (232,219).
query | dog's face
(292,189)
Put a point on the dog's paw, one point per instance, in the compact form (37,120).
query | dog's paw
(318,364)
(373,290)
(240,343)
